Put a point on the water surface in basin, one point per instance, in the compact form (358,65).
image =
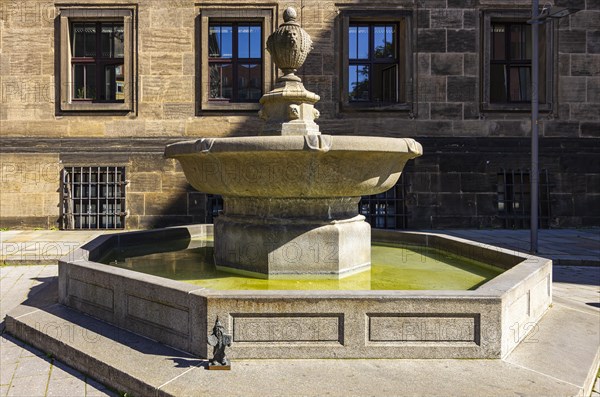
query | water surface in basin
(394,267)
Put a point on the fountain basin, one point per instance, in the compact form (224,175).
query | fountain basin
(289,198)
(309,166)
(487,322)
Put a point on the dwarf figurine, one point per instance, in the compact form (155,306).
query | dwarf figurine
(219,340)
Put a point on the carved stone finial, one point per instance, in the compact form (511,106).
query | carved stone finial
(219,341)
(289,15)
(289,108)
(289,46)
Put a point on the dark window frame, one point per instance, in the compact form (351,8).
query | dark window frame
(405,58)
(265,15)
(97,13)
(488,17)
(235,60)
(98,60)
(372,60)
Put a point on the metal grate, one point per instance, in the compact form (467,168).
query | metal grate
(214,205)
(93,198)
(386,210)
(514,199)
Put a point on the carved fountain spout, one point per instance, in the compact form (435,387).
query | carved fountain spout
(291,194)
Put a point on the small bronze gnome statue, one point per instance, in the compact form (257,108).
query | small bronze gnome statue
(219,341)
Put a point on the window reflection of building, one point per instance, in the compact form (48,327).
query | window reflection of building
(377,60)
(234,67)
(235,62)
(373,63)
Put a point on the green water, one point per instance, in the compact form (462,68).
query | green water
(394,267)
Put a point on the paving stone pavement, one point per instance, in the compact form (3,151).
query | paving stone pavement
(563,246)
(24,370)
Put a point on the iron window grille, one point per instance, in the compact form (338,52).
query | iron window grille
(214,205)
(386,210)
(93,197)
(514,199)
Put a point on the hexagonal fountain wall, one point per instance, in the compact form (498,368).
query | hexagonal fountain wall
(485,322)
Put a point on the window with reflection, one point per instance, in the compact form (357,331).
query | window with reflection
(510,63)
(97,61)
(235,61)
(373,63)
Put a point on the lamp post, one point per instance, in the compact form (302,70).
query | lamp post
(537,18)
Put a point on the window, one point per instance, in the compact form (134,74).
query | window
(96,60)
(386,210)
(514,199)
(377,61)
(214,205)
(93,197)
(507,62)
(234,62)
(235,67)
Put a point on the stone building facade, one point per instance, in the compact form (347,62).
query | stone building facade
(158,88)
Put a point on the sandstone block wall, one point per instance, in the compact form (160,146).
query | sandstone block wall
(474,144)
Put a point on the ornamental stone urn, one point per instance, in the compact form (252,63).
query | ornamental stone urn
(289,46)
(289,109)
(291,196)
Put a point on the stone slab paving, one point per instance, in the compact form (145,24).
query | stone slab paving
(563,246)
(41,246)
(24,370)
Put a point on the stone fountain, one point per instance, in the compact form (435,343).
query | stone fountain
(291,194)
(290,209)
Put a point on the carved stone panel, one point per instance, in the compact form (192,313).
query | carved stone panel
(287,328)
(425,328)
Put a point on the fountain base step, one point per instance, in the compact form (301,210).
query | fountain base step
(139,366)
(276,248)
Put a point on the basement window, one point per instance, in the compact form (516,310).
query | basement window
(514,199)
(93,197)
(386,210)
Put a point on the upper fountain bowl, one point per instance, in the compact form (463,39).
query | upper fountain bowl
(309,166)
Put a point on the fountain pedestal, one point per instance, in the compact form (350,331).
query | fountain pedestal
(293,236)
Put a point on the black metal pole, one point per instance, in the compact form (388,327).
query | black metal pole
(534,175)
